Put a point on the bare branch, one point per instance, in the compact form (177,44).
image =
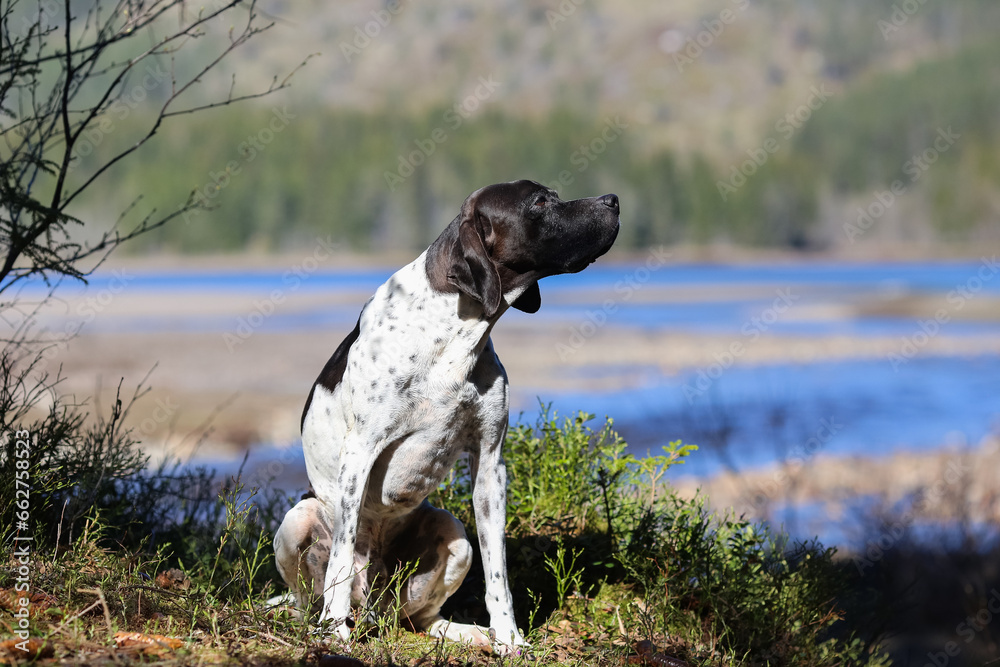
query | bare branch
(102,45)
(54,93)
(248,32)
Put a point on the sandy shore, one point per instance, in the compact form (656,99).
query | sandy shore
(953,482)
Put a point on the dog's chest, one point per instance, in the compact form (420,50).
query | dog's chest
(413,465)
(435,409)
(421,383)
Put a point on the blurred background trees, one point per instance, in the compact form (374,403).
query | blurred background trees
(896,75)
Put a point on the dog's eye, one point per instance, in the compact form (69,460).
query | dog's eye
(540,202)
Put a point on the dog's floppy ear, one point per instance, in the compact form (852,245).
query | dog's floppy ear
(530,301)
(472,270)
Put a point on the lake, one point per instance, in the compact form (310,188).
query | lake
(742,414)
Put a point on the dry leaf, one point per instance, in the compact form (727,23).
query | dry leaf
(37,602)
(14,649)
(146,643)
(173,579)
(650,657)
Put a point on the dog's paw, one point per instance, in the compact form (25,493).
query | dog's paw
(339,628)
(512,644)
(460,632)
(342,633)
(522,650)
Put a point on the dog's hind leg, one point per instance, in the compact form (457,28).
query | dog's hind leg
(433,548)
(302,550)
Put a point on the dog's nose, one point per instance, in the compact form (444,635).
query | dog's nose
(611,201)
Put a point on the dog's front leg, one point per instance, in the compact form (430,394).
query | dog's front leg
(343,502)
(489,498)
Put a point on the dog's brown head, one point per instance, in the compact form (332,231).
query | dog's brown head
(510,235)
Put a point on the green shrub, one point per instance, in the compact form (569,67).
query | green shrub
(592,528)
(89,473)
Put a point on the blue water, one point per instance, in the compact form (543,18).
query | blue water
(752,416)
(725,317)
(853,527)
(909,276)
(749,415)
(810,284)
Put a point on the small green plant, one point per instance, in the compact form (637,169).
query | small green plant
(565,476)
(567,575)
(554,469)
(244,549)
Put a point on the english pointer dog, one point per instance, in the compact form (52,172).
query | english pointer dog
(412,387)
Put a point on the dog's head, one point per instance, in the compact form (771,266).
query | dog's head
(510,235)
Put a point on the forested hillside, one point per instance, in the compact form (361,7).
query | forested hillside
(794,123)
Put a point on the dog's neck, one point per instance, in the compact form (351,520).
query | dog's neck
(458,321)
